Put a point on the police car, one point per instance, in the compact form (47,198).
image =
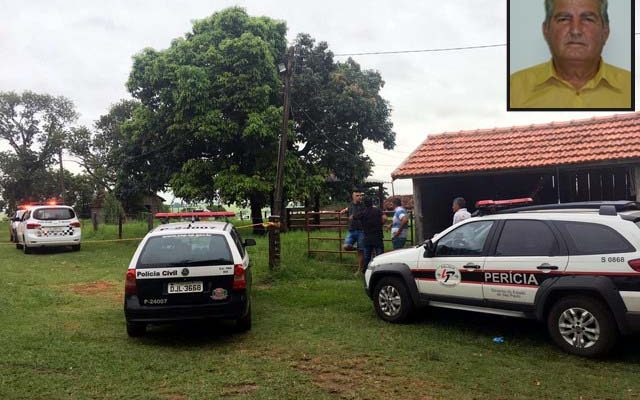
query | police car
(48,226)
(573,266)
(189,270)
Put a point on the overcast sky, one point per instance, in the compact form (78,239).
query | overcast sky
(83,49)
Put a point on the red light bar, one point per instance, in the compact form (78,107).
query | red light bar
(503,203)
(203,214)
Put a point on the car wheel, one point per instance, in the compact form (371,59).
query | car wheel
(391,300)
(583,326)
(135,329)
(75,247)
(243,324)
(25,248)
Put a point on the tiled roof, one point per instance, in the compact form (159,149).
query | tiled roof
(596,139)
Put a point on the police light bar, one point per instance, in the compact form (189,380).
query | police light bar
(503,203)
(199,214)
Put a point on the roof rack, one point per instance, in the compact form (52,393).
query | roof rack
(603,207)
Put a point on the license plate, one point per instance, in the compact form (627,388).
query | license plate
(184,287)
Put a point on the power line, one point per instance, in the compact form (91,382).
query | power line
(369,53)
(422,50)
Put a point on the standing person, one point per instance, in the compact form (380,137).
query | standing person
(372,219)
(399,225)
(355,234)
(460,212)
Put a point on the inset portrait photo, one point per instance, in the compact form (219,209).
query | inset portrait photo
(570,55)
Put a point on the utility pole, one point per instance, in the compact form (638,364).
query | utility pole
(61,176)
(276,213)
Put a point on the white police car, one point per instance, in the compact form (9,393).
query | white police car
(574,266)
(189,270)
(48,226)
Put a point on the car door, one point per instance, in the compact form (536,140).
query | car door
(21,226)
(453,270)
(526,252)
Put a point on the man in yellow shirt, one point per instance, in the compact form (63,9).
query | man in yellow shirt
(576,76)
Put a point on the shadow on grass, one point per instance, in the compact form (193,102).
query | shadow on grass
(189,334)
(521,330)
(35,251)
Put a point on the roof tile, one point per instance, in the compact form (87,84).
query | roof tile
(614,137)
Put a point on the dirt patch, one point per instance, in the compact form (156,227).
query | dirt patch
(239,389)
(361,378)
(98,288)
(93,288)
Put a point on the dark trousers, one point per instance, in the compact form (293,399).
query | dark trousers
(370,251)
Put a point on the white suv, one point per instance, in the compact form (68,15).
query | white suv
(574,266)
(48,226)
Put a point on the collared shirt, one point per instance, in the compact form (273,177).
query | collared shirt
(541,87)
(461,215)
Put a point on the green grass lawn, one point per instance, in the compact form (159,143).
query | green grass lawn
(315,336)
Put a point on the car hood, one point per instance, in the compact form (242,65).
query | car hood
(407,255)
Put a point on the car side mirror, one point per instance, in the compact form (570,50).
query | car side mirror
(429,248)
(249,242)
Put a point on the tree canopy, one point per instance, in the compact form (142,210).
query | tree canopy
(35,126)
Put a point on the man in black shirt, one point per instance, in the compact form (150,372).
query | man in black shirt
(355,234)
(372,219)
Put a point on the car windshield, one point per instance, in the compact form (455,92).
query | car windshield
(185,249)
(50,214)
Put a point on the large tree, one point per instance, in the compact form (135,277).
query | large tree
(212,109)
(35,127)
(336,107)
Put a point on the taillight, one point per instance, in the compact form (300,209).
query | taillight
(130,282)
(239,277)
(75,224)
(33,226)
(635,264)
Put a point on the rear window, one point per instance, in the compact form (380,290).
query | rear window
(50,214)
(585,238)
(192,249)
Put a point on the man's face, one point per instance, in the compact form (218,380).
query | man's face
(455,207)
(576,31)
(356,197)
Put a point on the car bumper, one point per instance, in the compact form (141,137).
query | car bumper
(43,241)
(236,308)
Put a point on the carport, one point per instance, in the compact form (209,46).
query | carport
(582,160)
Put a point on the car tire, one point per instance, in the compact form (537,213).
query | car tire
(75,247)
(583,326)
(26,249)
(135,329)
(392,301)
(243,324)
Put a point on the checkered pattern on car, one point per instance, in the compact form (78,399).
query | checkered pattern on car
(49,232)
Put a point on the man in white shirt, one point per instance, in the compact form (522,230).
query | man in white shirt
(460,212)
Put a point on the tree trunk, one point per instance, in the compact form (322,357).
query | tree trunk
(256,215)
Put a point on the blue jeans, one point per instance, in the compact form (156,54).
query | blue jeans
(371,251)
(398,242)
(354,236)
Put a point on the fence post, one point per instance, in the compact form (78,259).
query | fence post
(274,242)
(94,220)
(340,236)
(119,226)
(149,222)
